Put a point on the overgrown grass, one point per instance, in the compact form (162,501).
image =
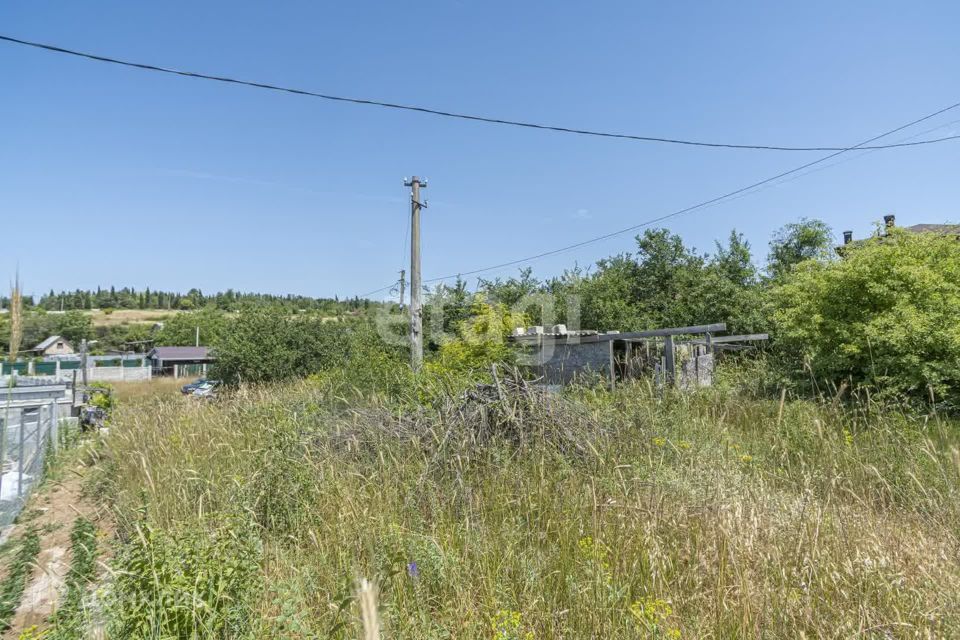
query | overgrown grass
(18,571)
(71,619)
(147,389)
(514,515)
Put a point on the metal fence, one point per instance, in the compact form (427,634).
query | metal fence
(29,428)
(56,365)
(94,374)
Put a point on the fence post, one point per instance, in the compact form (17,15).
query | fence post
(3,441)
(20,458)
(54,433)
(39,431)
(670,358)
(57,374)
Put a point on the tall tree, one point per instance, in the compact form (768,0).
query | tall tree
(796,242)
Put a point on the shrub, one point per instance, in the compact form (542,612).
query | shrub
(886,316)
(192,582)
(265,345)
(481,340)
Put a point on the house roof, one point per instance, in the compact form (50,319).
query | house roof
(172,354)
(46,344)
(925,227)
(943,229)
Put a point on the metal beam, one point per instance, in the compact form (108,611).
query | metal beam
(632,335)
(674,331)
(748,337)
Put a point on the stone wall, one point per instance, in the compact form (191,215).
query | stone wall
(563,363)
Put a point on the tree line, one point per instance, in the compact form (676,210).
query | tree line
(881,314)
(229,300)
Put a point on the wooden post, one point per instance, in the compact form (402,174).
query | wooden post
(613,366)
(670,360)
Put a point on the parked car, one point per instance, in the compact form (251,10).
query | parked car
(207,390)
(187,389)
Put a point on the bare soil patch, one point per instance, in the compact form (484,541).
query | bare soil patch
(52,510)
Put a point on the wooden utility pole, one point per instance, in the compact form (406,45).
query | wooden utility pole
(403,281)
(416,284)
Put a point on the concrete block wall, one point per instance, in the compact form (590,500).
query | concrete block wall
(567,362)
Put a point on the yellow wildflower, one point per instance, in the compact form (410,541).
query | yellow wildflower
(651,610)
(508,625)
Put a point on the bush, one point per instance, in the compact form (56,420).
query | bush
(101,395)
(193,582)
(181,329)
(481,340)
(265,345)
(886,316)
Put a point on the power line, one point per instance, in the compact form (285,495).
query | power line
(736,194)
(699,205)
(370,293)
(449,114)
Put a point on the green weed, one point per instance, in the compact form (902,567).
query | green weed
(18,572)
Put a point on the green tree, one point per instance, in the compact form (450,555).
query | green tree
(268,343)
(796,242)
(734,262)
(181,329)
(481,339)
(74,325)
(887,315)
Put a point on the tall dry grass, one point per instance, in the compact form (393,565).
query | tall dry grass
(146,390)
(709,515)
(16,320)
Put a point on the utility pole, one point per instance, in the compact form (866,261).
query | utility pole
(198,336)
(403,281)
(416,311)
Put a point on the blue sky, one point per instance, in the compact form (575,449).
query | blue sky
(152,180)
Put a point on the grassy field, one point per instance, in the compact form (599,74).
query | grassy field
(155,388)
(710,515)
(129,316)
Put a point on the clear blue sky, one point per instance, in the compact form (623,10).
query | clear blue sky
(153,180)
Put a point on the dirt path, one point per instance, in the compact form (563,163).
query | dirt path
(52,510)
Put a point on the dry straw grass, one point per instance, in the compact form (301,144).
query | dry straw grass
(16,320)
(711,515)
